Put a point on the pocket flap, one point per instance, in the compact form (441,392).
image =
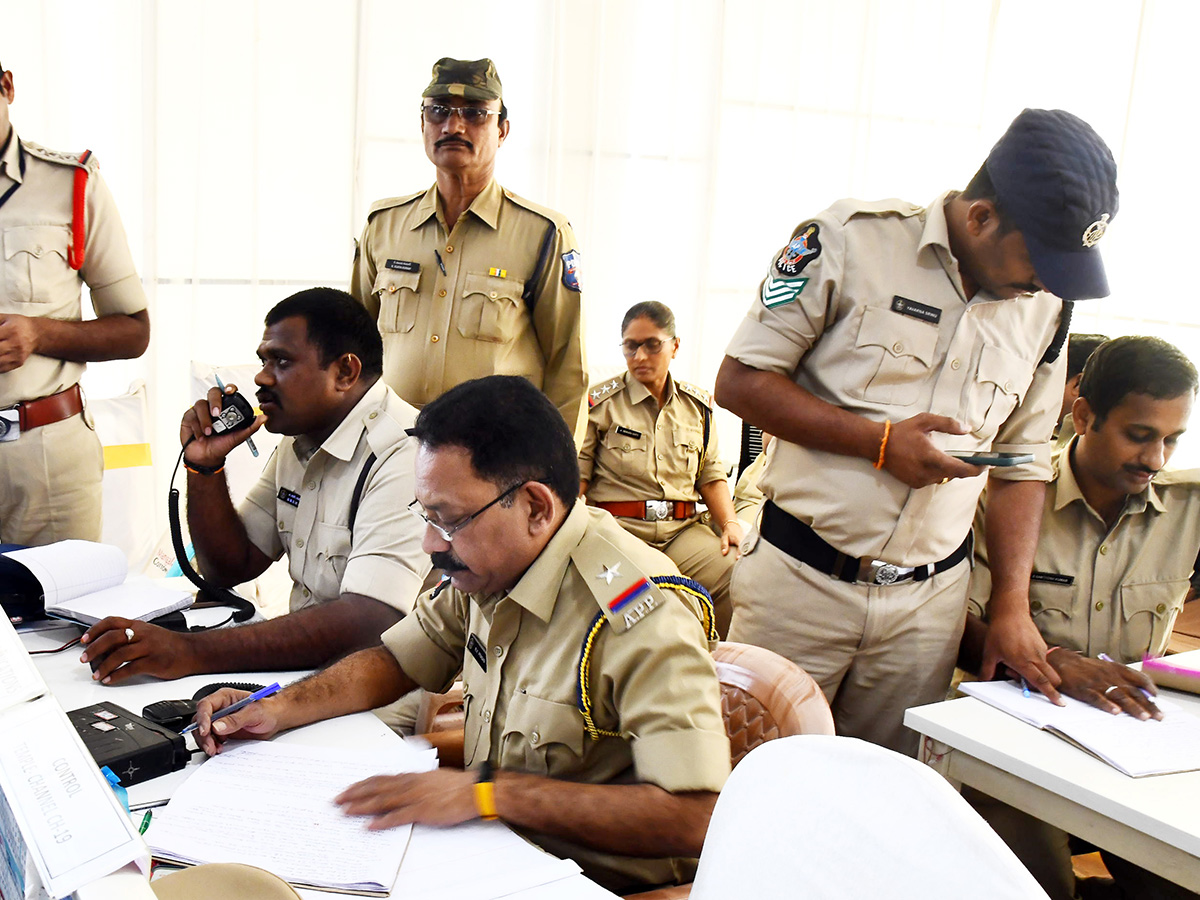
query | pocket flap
(1159,598)
(1006,370)
(330,541)
(688,436)
(543,722)
(493,287)
(388,281)
(36,240)
(898,335)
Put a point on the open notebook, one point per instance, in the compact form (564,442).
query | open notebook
(85,581)
(1131,745)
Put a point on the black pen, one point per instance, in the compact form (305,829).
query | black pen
(441,265)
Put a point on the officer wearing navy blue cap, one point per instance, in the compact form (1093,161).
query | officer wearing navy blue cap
(884,335)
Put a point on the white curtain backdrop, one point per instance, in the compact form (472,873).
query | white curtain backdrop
(245,139)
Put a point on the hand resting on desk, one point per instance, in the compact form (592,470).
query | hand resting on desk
(152,651)
(1093,681)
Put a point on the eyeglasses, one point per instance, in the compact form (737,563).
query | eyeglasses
(436,113)
(653,346)
(447,534)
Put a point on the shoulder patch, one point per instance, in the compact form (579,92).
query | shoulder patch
(570,270)
(845,210)
(86,159)
(392,202)
(598,393)
(699,393)
(803,248)
(624,593)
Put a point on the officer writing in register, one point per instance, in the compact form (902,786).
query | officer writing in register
(593,717)
(1113,562)
(332,497)
(467,279)
(60,230)
(886,334)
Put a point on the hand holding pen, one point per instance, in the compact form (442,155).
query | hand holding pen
(1105,684)
(230,713)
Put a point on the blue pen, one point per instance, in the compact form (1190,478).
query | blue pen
(249,441)
(234,707)
(1025,688)
(1145,693)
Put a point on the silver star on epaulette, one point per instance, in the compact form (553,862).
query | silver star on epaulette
(610,572)
(614,385)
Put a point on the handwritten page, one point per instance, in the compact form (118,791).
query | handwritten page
(70,569)
(1133,746)
(271,805)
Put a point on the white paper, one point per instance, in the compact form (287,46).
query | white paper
(70,569)
(135,599)
(19,680)
(270,804)
(1134,746)
(75,828)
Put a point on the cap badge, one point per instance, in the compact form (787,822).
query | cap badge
(1095,231)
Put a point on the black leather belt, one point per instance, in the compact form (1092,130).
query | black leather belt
(800,542)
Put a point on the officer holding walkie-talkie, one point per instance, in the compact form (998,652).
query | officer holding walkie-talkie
(59,229)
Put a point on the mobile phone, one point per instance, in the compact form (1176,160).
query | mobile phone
(991,457)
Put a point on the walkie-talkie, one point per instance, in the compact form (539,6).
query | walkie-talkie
(236,413)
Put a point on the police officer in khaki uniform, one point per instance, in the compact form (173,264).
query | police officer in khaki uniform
(1114,558)
(467,279)
(333,497)
(650,452)
(886,334)
(60,229)
(1079,348)
(593,719)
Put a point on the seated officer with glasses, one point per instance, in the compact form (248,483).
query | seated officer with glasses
(650,452)
(467,279)
(593,712)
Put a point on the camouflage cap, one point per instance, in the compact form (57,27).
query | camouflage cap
(474,79)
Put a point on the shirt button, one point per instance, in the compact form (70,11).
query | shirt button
(1008,385)
(449,248)
(1035,605)
(281,524)
(1103,549)
(955,364)
(498,650)
(434,339)
(660,456)
(1099,605)
(373,414)
(299,542)
(487,715)
(312,485)
(534,737)
(306,592)
(1161,608)
(898,347)
(442,292)
(493,295)
(625,447)
(391,289)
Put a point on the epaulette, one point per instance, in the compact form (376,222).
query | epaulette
(598,393)
(624,593)
(844,210)
(85,160)
(699,393)
(392,202)
(550,215)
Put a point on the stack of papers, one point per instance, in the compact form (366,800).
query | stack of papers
(1133,746)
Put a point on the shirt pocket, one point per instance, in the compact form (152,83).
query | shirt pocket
(689,443)
(1148,613)
(35,264)
(399,297)
(1001,380)
(900,350)
(1052,607)
(623,454)
(491,308)
(540,736)
(328,551)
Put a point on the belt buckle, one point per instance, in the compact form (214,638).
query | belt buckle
(884,572)
(10,424)
(657,510)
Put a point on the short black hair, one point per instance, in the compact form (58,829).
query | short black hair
(981,188)
(1079,348)
(512,431)
(1134,365)
(658,313)
(337,324)
(503,117)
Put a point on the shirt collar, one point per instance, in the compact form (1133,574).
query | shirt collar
(934,246)
(10,163)
(537,591)
(342,443)
(486,206)
(638,392)
(1067,491)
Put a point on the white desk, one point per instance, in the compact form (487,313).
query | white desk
(72,684)
(1153,821)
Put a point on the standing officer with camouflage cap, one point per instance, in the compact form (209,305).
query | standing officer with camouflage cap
(467,279)
(885,335)
(60,229)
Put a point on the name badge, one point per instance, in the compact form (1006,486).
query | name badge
(1052,578)
(907,307)
(289,497)
(402,265)
(628,432)
(476,649)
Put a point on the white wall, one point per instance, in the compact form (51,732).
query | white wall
(244,140)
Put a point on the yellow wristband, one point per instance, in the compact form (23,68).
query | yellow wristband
(485,800)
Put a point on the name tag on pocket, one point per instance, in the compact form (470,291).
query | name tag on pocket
(475,648)
(628,432)
(906,307)
(402,265)
(289,497)
(1052,578)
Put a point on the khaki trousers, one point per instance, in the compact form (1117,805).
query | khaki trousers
(875,650)
(50,484)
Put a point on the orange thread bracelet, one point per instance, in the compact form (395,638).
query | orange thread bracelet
(887,432)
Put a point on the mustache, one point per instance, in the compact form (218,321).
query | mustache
(447,561)
(1142,470)
(453,139)
(265,397)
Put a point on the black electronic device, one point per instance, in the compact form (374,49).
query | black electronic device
(236,414)
(20,591)
(172,714)
(991,457)
(136,749)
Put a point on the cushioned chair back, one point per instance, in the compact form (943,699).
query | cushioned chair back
(441,712)
(764,696)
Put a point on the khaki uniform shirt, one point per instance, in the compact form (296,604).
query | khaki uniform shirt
(747,496)
(1101,590)
(1064,432)
(441,328)
(652,688)
(301,506)
(35,230)
(874,321)
(632,450)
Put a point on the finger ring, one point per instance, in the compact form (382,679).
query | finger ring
(946,480)
(128,634)
(1113,688)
